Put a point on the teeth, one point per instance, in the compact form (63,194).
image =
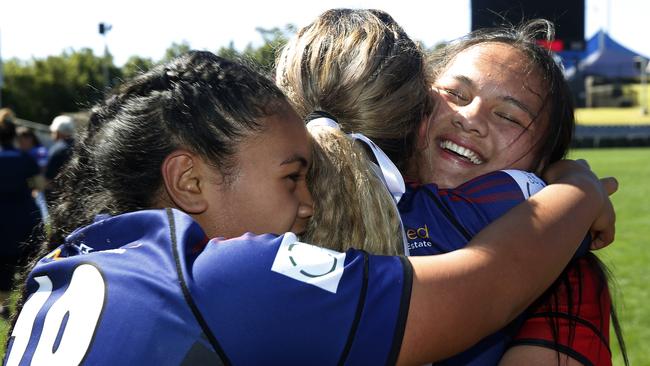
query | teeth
(462,151)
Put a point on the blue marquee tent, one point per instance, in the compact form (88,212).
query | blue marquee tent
(603,56)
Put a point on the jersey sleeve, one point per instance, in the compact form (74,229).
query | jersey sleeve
(582,326)
(442,220)
(267,299)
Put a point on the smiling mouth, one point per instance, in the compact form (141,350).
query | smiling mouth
(463,152)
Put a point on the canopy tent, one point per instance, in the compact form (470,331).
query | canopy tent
(603,56)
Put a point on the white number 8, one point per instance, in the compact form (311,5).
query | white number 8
(82,304)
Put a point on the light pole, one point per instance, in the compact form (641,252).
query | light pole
(643,65)
(103,30)
(1,75)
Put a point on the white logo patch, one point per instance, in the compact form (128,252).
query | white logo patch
(309,263)
(528,182)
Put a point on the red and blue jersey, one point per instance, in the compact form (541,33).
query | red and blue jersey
(578,328)
(443,220)
(149,288)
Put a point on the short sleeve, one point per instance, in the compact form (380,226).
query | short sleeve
(268,299)
(529,183)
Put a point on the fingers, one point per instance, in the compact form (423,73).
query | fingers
(610,184)
(584,163)
(604,228)
(602,239)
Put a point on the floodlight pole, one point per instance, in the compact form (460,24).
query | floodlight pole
(643,65)
(103,30)
(1,74)
(644,86)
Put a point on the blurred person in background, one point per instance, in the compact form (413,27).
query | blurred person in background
(19,215)
(62,130)
(28,142)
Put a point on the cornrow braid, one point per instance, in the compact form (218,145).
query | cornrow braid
(198,101)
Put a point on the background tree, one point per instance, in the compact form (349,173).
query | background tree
(262,57)
(40,89)
(136,65)
(176,49)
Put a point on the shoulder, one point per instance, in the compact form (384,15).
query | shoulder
(528,182)
(300,301)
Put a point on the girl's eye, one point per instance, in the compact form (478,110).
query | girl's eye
(455,94)
(510,118)
(295,177)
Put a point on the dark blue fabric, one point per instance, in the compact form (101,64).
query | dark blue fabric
(59,154)
(172,297)
(40,154)
(18,211)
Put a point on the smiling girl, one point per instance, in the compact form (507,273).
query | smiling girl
(505,105)
(203,148)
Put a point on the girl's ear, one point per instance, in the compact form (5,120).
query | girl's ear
(183,174)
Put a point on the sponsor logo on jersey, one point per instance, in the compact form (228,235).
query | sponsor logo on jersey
(54,255)
(84,249)
(529,183)
(309,263)
(418,233)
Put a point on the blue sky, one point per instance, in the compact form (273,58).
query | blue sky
(38,28)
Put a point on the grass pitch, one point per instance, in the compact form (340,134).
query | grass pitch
(629,257)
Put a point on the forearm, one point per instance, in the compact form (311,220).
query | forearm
(461,297)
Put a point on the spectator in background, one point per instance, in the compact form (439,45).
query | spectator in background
(28,142)
(62,130)
(19,174)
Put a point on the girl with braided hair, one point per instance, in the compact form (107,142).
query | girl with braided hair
(174,242)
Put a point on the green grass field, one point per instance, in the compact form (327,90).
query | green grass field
(628,258)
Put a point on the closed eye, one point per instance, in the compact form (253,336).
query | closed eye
(510,118)
(455,94)
(295,177)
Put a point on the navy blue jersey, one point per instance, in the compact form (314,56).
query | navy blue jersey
(149,288)
(442,220)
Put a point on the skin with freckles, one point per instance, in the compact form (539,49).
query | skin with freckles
(490,116)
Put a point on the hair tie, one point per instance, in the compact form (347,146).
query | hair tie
(319,114)
(320,118)
(382,166)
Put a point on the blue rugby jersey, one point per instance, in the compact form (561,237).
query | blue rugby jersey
(442,220)
(149,288)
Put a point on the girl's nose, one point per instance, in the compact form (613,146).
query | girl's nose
(471,118)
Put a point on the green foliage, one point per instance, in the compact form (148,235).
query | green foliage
(40,89)
(262,57)
(136,65)
(175,50)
